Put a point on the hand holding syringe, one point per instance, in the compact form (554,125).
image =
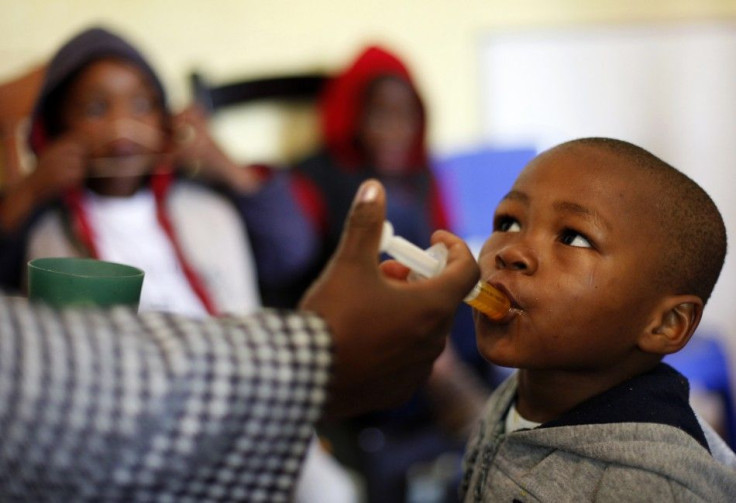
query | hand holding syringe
(426,264)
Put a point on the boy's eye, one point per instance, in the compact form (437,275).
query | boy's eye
(142,105)
(571,237)
(507,224)
(96,108)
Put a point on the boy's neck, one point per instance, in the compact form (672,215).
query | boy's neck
(544,395)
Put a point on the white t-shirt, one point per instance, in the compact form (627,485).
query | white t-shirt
(127,231)
(515,422)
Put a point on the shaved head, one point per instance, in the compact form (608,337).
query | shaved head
(693,232)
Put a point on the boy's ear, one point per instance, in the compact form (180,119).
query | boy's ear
(674,322)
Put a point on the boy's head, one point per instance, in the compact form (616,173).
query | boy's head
(609,255)
(372,114)
(389,125)
(101,90)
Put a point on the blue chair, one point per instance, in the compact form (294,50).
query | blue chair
(472,183)
(704,362)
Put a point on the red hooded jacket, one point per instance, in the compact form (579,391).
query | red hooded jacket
(327,181)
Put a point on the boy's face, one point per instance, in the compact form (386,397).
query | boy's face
(113,108)
(574,249)
(389,125)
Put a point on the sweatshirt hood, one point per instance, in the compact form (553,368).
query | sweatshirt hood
(341,105)
(642,430)
(77,53)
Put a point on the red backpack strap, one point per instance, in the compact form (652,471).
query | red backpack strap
(81,229)
(160,184)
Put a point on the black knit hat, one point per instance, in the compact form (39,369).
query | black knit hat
(85,48)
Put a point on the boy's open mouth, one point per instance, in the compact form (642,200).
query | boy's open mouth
(120,166)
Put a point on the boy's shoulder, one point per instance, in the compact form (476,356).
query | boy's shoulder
(629,462)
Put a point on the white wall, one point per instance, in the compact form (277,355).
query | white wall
(227,38)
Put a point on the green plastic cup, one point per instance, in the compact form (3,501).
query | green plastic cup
(83,282)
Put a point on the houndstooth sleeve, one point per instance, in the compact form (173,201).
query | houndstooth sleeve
(114,406)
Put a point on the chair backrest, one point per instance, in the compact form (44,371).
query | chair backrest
(472,183)
(17,97)
(285,87)
(270,119)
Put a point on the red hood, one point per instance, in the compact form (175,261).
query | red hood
(341,100)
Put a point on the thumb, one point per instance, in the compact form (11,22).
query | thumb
(364,224)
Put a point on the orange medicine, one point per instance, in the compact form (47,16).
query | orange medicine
(427,263)
(488,301)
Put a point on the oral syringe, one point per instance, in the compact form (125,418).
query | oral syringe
(430,262)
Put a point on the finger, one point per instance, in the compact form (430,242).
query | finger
(196,112)
(446,237)
(182,114)
(362,231)
(394,269)
(461,271)
(460,261)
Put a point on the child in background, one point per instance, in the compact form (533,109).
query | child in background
(110,183)
(374,124)
(608,255)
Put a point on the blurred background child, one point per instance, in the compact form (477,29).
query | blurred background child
(120,178)
(373,125)
(115,180)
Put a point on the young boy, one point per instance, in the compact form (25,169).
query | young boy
(113,181)
(109,183)
(608,255)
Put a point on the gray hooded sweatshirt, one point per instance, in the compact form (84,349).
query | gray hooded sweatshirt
(639,441)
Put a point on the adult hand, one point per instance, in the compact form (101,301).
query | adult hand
(387,331)
(197,151)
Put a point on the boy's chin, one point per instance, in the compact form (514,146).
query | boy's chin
(498,351)
(116,187)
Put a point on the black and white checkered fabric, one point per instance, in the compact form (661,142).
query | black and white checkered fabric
(113,406)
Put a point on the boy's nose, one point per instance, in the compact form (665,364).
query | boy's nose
(120,110)
(517,258)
